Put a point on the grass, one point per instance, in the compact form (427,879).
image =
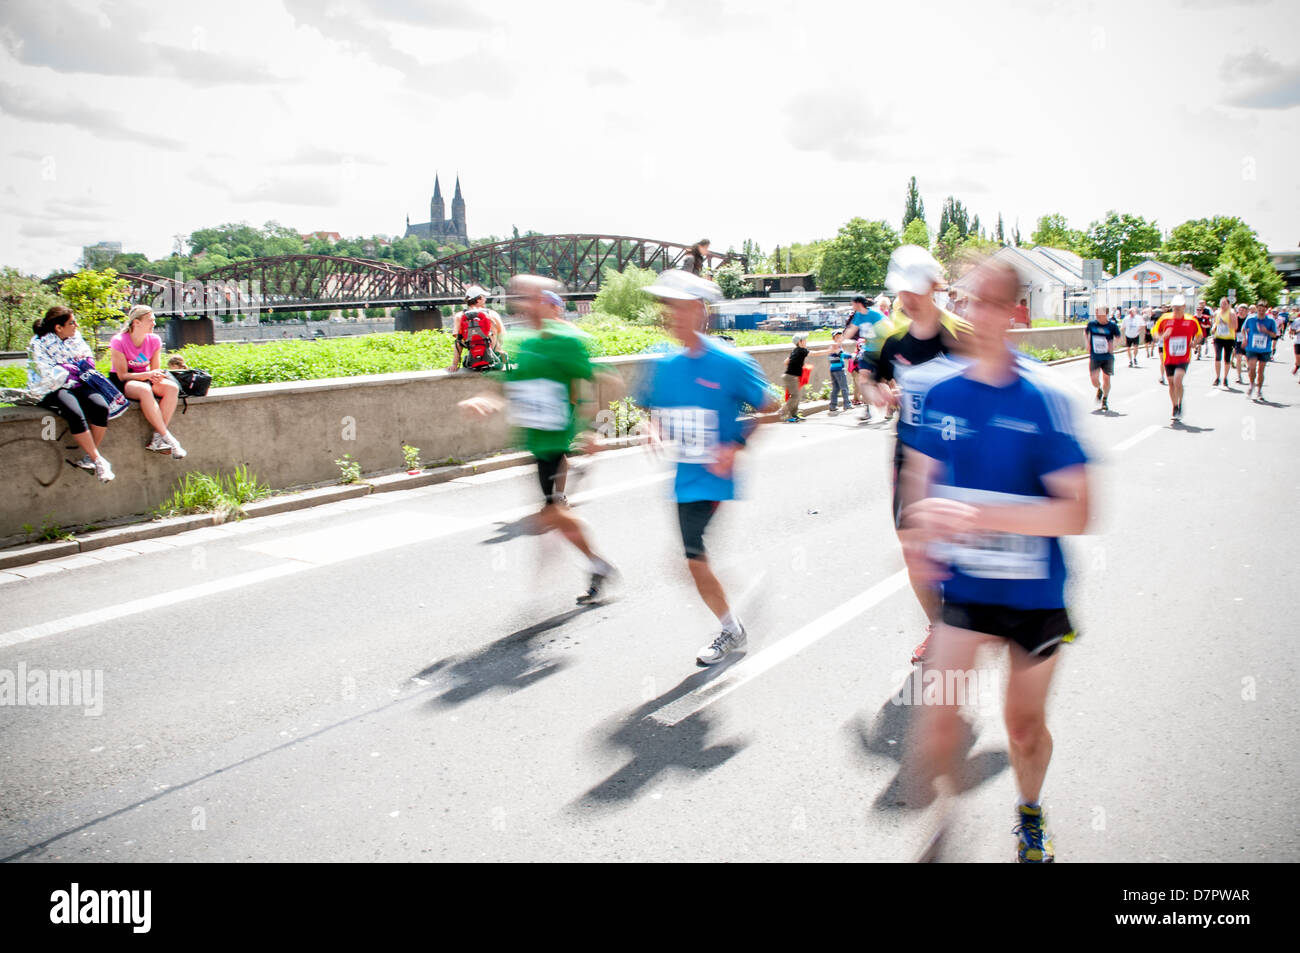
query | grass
(13,375)
(49,532)
(1046,354)
(214,493)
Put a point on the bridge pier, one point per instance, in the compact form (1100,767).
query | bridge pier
(417,319)
(183,331)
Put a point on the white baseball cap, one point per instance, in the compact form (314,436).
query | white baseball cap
(679,285)
(913,269)
(474,291)
(1178,301)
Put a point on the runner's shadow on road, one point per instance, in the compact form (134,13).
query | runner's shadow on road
(506,531)
(1269,403)
(1107,413)
(892,735)
(509,663)
(656,747)
(1189,428)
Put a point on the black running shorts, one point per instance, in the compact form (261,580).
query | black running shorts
(1223,348)
(1180,366)
(1131,342)
(693,518)
(1106,364)
(1037,631)
(549,470)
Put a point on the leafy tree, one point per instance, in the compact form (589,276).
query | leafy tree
(753,253)
(23,299)
(914,207)
(1245,251)
(1054,232)
(1193,243)
(975,228)
(999,235)
(95,297)
(954,213)
(948,245)
(1226,276)
(730,279)
(1121,236)
(916,233)
(620,292)
(1015,236)
(858,256)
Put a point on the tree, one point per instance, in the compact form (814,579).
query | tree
(1227,276)
(947,246)
(975,227)
(95,297)
(858,256)
(23,300)
(999,236)
(1193,243)
(954,213)
(1015,236)
(1054,232)
(730,278)
(620,292)
(916,233)
(914,208)
(1246,252)
(1120,238)
(753,253)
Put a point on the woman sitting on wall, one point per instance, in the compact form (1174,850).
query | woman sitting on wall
(56,357)
(138,373)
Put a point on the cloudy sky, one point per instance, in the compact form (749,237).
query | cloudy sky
(134,121)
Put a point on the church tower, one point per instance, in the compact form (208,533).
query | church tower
(458,215)
(437,212)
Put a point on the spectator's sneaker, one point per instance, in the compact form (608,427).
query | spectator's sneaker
(726,643)
(177,450)
(103,469)
(1035,845)
(919,653)
(792,420)
(85,463)
(158,444)
(600,582)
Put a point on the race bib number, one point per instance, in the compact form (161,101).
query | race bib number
(687,434)
(1222,329)
(1100,345)
(1177,347)
(1259,342)
(538,404)
(995,555)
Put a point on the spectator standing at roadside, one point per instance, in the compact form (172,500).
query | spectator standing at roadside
(839,382)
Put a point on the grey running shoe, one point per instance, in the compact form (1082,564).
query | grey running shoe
(85,463)
(726,643)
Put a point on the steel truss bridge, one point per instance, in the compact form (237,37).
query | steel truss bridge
(325,282)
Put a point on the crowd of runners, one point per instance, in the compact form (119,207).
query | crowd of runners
(988,471)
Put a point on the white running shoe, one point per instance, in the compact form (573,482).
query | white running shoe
(103,469)
(726,643)
(158,444)
(177,450)
(85,463)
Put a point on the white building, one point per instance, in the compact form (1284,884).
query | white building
(1051,280)
(1151,282)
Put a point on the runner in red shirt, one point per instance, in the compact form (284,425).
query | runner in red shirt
(1179,335)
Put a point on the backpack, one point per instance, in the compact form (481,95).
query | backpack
(474,331)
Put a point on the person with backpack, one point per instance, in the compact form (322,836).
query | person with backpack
(478,331)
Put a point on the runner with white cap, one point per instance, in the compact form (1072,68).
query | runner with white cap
(922,332)
(470,326)
(1178,335)
(696,396)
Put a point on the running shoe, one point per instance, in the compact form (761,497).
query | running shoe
(1035,845)
(1099,393)
(85,463)
(177,450)
(1216,382)
(919,653)
(103,470)
(1105,405)
(599,584)
(792,420)
(158,444)
(726,643)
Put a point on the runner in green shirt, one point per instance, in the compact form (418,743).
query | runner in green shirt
(541,399)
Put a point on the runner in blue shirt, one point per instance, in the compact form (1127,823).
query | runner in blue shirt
(695,397)
(993,474)
(1257,337)
(1102,333)
(869,327)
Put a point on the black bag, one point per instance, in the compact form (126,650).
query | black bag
(193,383)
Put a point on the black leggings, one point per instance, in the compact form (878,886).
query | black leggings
(79,406)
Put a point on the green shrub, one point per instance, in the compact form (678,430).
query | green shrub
(214,493)
(13,375)
(620,292)
(349,469)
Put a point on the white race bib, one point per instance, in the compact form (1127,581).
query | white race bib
(1259,342)
(538,404)
(687,434)
(993,555)
(1177,347)
(1100,345)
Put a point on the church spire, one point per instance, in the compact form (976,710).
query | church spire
(437,211)
(458,215)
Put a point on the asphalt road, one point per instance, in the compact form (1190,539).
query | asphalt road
(406,676)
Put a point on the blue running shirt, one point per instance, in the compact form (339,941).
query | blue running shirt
(696,400)
(1099,336)
(994,446)
(1253,332)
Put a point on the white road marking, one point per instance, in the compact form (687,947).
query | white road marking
(1136,438)
(750,668)
(149,603)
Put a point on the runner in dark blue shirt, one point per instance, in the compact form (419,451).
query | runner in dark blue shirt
(1102,333)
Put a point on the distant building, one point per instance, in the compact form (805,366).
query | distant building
(1151,282)
(100,254)
(1287,264)
(440,227)
(1052,281)
(788,282)
(330,237)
